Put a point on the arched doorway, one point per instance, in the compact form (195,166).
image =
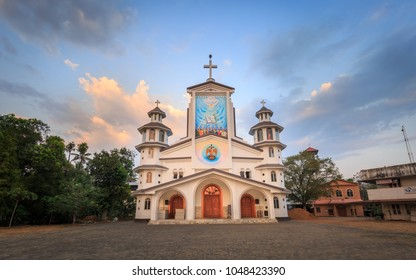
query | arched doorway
(247,206)
(176,202)
(212,202)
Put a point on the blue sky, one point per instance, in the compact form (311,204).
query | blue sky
(339,75)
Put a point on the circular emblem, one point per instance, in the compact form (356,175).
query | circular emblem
(211,153)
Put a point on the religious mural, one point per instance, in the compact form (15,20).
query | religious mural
(211,116)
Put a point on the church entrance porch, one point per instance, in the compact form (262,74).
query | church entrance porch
(247,206)
(172,205)
(176,202)
(212,202)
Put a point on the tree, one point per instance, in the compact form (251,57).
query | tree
(18,141)
(69,148)
(110,172)
(77,196)
(308,176)
(82,157)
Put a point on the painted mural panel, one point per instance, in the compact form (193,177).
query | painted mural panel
(211,116)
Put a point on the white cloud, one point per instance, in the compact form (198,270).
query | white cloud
(117,113)
(326,86)
(71,64)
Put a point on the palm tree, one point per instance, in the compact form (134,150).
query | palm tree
(82,156)
(69,148)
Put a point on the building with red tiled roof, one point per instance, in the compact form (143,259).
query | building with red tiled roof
(312,150)
(343,201)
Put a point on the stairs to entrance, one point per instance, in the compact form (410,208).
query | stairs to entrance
(213,221)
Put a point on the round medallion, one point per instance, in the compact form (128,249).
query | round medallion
(211,153)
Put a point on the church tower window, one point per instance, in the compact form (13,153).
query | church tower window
(147,204)
(149,177)
(161,136)
(273,176)
(271,152)
(260,135)
(269,134)
(151,153)
(152,135)
(144,137)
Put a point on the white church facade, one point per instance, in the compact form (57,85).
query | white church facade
(211,173)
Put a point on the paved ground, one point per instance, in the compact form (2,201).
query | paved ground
(326,239)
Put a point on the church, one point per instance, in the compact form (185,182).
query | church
(210,175)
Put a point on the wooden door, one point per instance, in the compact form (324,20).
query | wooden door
(247,207)
(342,211)
(212,202)
(176,202)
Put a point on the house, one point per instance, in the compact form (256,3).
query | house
(210,173)
(395,192)
(344,200)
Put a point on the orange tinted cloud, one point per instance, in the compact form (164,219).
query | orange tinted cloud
(117,113)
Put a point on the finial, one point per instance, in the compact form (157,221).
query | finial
(210,66)
(263,102)
(157,103)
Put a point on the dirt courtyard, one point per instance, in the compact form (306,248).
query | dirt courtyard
(321,238)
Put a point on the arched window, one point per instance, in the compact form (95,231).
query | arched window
(150,152)
(273,176)
(149,177)
(276,202)
(147,204)
(338,193)
(259,135)
(181,173)
(144,137)
(152,135)
(271,152)
(248,173)
(175,174)
(161,136)
(269,134)
(350,193)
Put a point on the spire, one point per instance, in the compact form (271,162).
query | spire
(210,66)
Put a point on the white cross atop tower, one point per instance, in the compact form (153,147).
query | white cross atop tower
(210,66)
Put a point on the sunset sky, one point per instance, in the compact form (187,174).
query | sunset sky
(340,76)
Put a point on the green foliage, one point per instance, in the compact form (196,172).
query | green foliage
(82,157)
(110,172)
(38,183)
(18,141)
(77,197)
(308,176)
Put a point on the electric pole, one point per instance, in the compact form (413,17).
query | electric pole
(409,150)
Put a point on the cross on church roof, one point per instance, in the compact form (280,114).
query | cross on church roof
(210,66)
(157,103)
(263,102)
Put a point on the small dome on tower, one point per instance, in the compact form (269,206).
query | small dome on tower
(156,111)
(264,110)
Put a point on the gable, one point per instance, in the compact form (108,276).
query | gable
(244,150)
(210,86)
(177,150)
